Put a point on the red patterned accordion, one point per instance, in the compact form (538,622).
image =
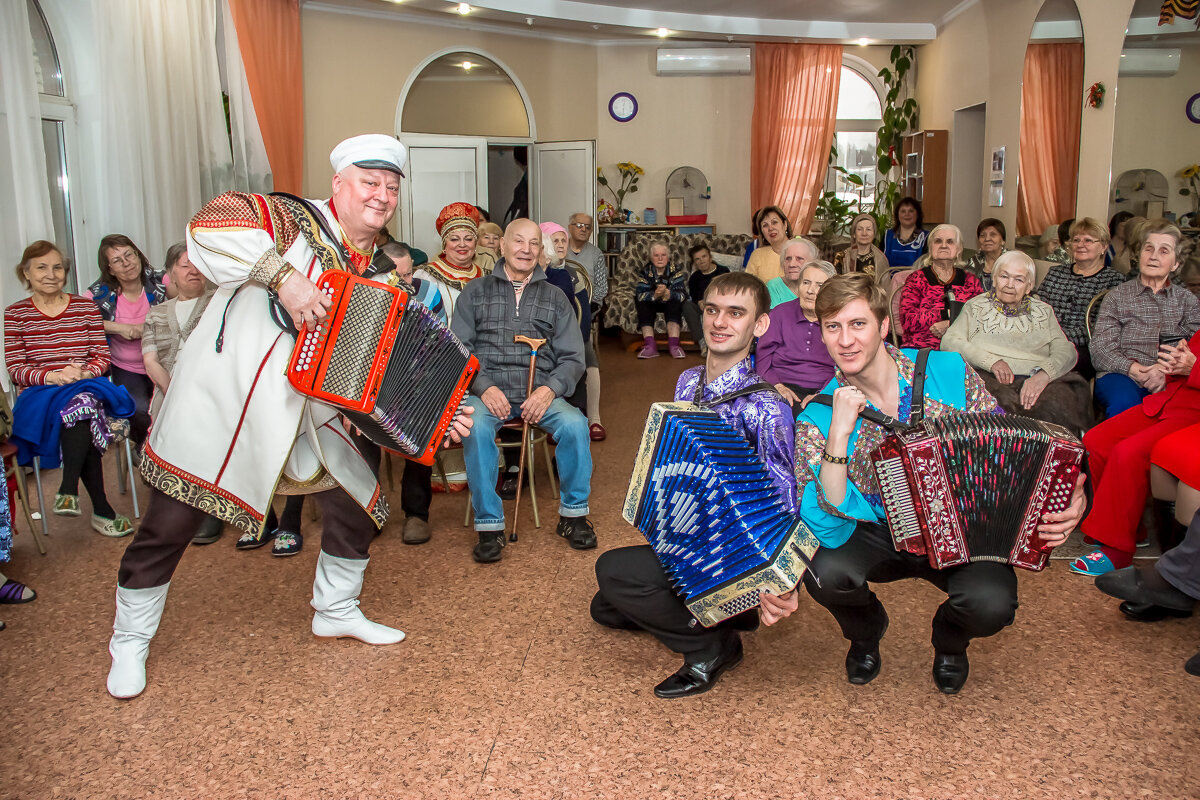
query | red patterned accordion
(386,362)
(973,487)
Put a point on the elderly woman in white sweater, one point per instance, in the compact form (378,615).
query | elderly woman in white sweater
(1015,344)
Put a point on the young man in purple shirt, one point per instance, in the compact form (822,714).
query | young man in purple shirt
(634,592)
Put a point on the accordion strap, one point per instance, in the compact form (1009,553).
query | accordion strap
(761,386)
(918,399)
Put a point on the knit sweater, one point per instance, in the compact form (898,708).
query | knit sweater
(984,333)
(36,345)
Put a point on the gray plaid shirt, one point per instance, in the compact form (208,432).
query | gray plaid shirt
(1133,317)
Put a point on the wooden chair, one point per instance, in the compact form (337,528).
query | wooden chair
(8,452)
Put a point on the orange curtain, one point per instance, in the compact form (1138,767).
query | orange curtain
(795,115)
(269,39)
(1051,110)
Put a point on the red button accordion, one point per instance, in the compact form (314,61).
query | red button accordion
(386,362)
(974,487)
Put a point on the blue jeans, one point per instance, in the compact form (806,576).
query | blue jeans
(1116,393)
(568,427)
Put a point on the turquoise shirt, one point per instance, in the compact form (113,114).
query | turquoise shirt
(950,385)
(779,291)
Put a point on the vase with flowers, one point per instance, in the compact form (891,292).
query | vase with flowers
(1191,188)
(630,172)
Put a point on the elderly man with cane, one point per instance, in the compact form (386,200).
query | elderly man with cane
(496,316)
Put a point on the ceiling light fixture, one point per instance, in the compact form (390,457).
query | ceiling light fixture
(863,42)
(464,8)
(468,66)
(662,33)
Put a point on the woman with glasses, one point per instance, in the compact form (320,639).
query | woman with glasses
(1069,288)
(127,287)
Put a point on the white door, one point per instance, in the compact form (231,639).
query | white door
(441,170)
(563,181)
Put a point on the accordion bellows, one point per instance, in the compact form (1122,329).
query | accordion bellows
(707,506)
(386,362)
(974,487)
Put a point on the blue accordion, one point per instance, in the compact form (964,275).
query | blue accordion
(706,504)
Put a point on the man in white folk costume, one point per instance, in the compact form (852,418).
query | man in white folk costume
(232,431)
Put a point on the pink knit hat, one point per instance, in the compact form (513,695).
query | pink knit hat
(552,228)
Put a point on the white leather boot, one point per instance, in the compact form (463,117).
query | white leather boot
(335,598)
(138,613)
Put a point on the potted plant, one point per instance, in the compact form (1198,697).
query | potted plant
(630,172)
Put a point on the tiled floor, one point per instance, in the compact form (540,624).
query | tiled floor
(506,689)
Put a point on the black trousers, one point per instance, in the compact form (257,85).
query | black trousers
(981,597)
(416,484)
(169,525)
(635,594)
(140,388)
(672,311)
(82,461)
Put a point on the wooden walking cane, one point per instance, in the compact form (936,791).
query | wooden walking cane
(534,344)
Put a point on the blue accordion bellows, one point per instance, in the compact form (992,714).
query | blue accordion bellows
(706,504)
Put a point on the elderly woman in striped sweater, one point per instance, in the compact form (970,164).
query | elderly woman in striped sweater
(55,349)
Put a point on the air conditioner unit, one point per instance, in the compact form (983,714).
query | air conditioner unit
(1149,62)
(704,61)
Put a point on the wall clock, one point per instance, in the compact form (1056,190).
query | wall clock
(622,106)
(1192,109)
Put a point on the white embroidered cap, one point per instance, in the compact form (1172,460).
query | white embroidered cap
(370,151)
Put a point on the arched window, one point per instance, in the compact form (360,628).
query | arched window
(859,115)
(58,120)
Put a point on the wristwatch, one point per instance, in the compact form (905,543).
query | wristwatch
(1035,371)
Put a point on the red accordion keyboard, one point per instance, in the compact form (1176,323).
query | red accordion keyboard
(386,362)
(974,487)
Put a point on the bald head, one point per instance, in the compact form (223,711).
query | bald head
(521,245)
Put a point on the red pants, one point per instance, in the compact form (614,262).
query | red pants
(1119,457)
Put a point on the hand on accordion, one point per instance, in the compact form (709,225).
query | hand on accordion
(301,298)
(1055,528)
(772,608)
(460,426)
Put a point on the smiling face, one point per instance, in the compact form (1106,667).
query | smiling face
(521,246)
(990,242)
(459,247)
(1157,259)
(124,264)
(1011,283)
(1085,248)
(365,199)
(854,337)
(811,281)
(773,228)
(46,274)
(731,322)
(907,215)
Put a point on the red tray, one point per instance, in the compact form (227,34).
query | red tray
(688,219)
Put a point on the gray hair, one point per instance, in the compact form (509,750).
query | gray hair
(661,244)
(174,252)
(958,237)
(552,259)
(814,252)
(824,266)
(1017,259)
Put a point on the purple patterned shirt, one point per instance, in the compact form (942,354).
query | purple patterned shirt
(763,418)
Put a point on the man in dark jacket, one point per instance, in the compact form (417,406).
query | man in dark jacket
(517,300)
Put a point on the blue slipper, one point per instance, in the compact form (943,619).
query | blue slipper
(1093,564)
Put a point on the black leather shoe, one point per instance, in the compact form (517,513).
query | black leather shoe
(950,671)
(507,487)
(1191,666)
(698,678)
(1148,612)
(578,532)
(1143,586)
(863,661)
(490,547)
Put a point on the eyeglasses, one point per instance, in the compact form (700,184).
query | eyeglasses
(1087,241)
(128,258)
(583,226)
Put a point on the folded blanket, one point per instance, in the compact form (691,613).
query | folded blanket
(37,416)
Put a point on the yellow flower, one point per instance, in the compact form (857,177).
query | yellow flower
(1190,172)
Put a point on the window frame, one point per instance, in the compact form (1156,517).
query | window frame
(868,73)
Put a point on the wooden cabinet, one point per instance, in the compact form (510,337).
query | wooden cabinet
(924,172)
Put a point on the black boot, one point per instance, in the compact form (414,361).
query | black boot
(1168,529)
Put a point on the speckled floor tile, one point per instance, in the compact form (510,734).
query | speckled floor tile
(504,687)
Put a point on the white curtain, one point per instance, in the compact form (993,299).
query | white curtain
(162,131)
(251,169)
(24,195)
